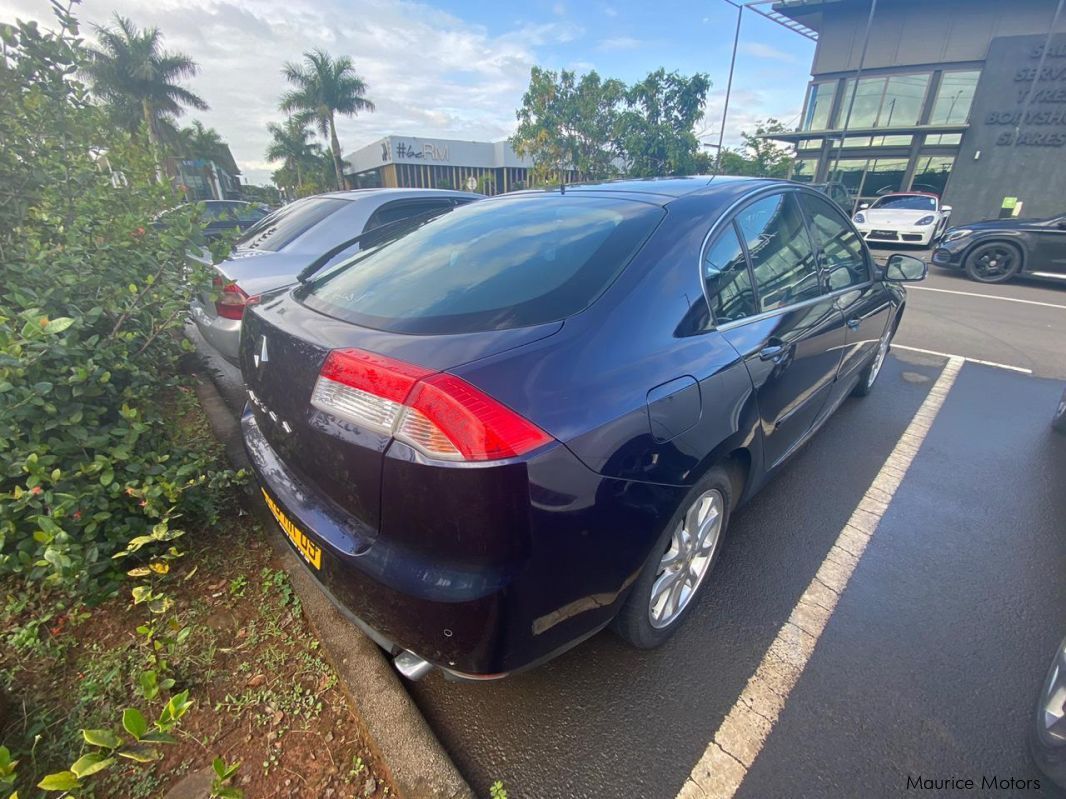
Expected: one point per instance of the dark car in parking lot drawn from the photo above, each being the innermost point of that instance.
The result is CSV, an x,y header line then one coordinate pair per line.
x,y
506,428
997,250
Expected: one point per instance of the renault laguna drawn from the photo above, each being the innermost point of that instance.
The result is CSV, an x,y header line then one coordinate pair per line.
x,y
497,432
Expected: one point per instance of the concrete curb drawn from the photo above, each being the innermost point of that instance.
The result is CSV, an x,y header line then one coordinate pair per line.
x,y
417,763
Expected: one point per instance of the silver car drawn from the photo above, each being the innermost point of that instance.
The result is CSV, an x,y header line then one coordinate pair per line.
x,y
276,249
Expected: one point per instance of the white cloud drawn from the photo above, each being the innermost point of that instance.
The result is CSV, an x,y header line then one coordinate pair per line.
x,y
763,50
610,11
619,43
746,108
428,72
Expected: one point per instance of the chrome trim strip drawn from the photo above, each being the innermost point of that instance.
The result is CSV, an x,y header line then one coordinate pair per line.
x,y
1052,275
795,306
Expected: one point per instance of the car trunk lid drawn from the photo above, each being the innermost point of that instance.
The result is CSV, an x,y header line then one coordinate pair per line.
x,y
284,346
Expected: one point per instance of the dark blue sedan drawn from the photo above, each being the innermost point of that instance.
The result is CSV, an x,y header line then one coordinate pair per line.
x,y
497,432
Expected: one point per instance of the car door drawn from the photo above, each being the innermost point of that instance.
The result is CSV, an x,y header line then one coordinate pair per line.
x,y
1049,251
792,344
847,274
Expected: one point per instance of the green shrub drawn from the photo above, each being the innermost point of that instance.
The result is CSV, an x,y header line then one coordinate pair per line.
x,y
93,299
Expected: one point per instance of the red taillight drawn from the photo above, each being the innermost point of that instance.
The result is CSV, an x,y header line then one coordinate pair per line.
x,y
233,300
440,414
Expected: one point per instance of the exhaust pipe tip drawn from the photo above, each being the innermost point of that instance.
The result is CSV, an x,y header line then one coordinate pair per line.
x,y
411,665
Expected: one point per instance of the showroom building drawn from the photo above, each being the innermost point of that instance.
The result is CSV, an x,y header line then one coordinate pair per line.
x,y
414,162
964,98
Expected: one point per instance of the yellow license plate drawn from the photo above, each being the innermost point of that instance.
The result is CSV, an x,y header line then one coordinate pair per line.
x,y
310,551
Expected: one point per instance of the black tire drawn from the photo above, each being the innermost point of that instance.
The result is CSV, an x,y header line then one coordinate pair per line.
x,y
994,262
633,622
1058,421
868,375
1051,759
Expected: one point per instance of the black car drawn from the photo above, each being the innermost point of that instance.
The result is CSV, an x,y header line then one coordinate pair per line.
x,y
1000,249
500,431
221,216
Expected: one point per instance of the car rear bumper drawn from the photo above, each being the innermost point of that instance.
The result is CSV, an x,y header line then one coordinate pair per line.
x,y
539,560
221,333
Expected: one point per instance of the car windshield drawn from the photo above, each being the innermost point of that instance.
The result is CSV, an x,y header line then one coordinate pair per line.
x,y
906,202
496,265
273,232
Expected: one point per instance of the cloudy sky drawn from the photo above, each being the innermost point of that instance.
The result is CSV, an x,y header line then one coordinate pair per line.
x,y
454,68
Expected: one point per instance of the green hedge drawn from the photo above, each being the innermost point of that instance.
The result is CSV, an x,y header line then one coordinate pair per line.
x,y
93,298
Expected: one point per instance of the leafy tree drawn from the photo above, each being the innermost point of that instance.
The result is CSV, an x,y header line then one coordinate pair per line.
x,y
656,131
569,124
602,128
138,79
759,157
291,143
325,87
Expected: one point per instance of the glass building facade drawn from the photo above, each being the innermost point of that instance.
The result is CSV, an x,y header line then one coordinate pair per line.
x,y
884,130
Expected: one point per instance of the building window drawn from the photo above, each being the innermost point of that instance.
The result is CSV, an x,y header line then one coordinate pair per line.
x,y
804,169
944,139
819,103
895,101
877,141
953,99
931,173
870,177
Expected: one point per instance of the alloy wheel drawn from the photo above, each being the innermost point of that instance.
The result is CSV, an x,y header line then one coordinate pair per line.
x,y
994,262
688,559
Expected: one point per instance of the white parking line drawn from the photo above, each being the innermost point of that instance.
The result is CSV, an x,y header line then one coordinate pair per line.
x,y
1021,369
987,296
740,738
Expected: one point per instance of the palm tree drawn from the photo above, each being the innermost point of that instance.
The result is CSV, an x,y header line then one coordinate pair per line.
x,y
138,79
325,87
290,143
196,141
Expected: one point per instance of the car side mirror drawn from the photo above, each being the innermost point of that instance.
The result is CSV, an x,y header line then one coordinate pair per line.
x,y
946,209
863,206
905,269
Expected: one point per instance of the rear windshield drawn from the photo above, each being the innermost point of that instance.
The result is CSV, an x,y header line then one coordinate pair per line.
x,y
491,265
273,232
907,202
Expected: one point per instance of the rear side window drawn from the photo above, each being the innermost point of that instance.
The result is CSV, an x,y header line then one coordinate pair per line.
x,y
286,224
782,257
842,257
725,273
490,265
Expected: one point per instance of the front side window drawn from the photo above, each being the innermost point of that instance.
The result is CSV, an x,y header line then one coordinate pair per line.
x,y
725,273
842,257
782,257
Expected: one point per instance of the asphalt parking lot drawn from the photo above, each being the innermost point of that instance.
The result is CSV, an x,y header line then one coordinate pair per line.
x,y
930,662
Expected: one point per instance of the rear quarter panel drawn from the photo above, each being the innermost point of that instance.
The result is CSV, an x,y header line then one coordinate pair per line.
x,y
588,385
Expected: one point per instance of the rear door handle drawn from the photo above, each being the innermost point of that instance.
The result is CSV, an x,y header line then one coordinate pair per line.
x,y
854,323
771,352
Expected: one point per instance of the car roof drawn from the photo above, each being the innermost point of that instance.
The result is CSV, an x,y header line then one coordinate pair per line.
x,y
398,193
662,189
